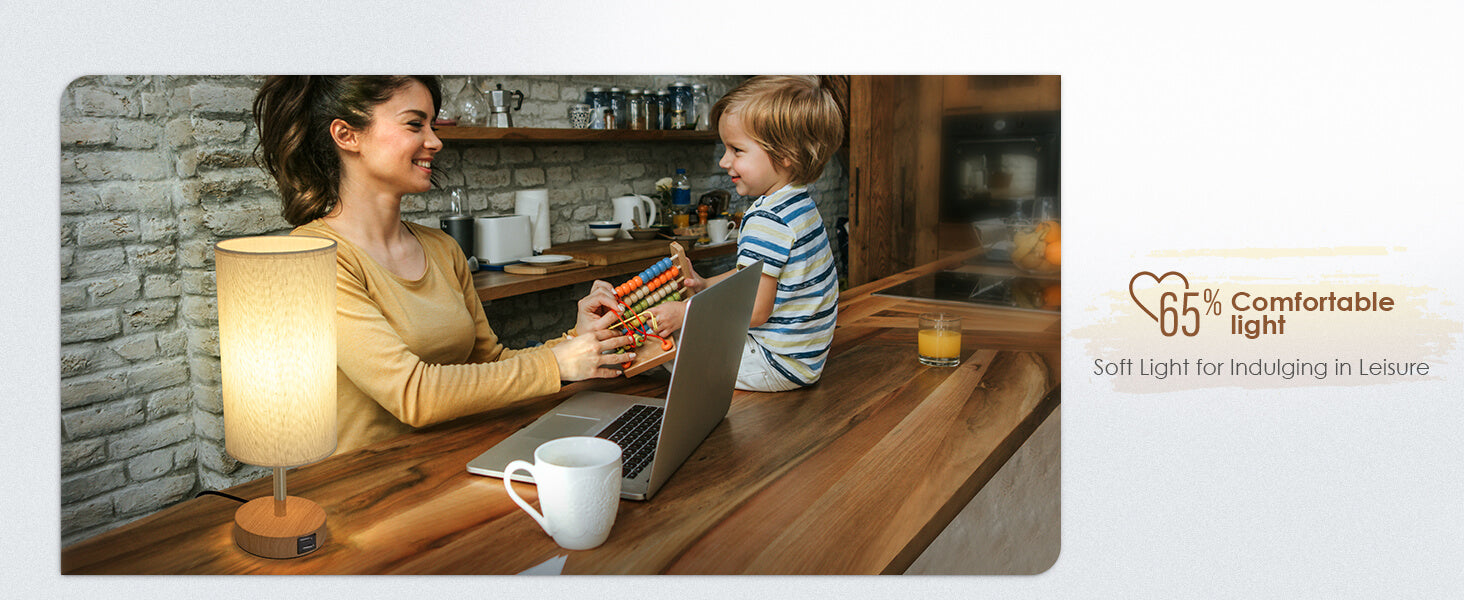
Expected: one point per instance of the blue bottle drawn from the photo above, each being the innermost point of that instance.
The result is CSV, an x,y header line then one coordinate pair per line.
x,y
680,192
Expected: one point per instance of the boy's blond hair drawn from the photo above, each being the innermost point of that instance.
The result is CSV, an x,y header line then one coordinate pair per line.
x,y
794,118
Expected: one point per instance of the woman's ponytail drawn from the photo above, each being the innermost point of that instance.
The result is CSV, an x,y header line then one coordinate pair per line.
x,y
305,167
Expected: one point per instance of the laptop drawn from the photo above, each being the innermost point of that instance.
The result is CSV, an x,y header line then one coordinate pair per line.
x,y
655,435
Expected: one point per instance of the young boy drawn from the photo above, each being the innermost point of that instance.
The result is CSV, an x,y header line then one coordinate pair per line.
x,y
779,132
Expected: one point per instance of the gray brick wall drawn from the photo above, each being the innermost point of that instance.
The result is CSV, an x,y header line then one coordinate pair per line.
x,y
127,433
155,170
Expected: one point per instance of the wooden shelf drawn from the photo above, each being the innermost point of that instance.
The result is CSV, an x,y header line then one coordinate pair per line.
x,y
536,134
494,285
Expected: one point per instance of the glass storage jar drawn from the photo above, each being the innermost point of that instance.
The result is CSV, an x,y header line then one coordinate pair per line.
x,y
617,104
701,106
663,101
683,111
599,101
635,103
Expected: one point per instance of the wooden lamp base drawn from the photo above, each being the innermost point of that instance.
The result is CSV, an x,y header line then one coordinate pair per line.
x,y
299,532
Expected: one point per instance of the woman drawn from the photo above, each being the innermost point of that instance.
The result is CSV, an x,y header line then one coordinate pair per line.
x,y
414,346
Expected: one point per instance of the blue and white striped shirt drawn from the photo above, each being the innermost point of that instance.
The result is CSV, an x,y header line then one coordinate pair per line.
x,y
786,232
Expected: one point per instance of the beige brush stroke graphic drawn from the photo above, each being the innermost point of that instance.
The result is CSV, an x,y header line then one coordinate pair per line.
x,y
1277,252
1414,331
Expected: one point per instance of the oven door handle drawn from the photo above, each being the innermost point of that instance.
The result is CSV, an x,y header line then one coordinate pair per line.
x,y
998,140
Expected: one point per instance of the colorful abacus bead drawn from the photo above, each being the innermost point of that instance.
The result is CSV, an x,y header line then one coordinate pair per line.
x,y
636,294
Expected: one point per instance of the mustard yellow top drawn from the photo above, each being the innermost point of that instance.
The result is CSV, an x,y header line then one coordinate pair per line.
x,y
412,353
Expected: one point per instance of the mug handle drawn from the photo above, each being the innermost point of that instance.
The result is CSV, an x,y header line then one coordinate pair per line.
x,y
508,485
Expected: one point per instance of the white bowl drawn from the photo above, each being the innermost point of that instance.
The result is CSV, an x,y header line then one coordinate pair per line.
x,y
604,230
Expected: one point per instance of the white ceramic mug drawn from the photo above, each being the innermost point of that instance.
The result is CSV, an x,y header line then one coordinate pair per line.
x,y
579,489
719,229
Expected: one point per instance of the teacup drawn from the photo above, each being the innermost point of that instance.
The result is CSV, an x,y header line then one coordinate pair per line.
x,y
579,489
720,229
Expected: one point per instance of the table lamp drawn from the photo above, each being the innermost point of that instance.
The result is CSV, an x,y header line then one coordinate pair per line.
x,y
277,356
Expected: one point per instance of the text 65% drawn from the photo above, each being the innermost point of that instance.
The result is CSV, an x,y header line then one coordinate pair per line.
x,y
1170,315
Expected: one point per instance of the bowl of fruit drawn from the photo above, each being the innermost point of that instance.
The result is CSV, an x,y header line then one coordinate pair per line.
x,y
1037,246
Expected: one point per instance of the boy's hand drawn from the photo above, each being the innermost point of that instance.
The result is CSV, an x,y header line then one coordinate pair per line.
x,y
669,316
595,305
693,282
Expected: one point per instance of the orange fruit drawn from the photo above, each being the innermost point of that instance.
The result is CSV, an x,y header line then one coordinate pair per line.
x,y
1052,295
1054,253
1052,231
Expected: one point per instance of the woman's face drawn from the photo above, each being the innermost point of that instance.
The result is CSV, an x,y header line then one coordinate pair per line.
x,y
398,146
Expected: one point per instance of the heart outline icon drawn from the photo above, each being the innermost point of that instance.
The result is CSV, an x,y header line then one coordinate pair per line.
x,y
1158,280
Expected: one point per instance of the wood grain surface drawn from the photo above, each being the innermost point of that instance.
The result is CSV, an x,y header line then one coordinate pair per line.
x,y
613,252
854,475
493,285
533,269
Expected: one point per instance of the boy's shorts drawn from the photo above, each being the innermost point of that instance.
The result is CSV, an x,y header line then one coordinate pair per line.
x,y
756,375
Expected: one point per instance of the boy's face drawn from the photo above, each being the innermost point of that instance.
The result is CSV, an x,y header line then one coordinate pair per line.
x,y
752,170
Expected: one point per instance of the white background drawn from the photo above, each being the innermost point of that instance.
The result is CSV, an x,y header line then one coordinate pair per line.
x,y
1242,124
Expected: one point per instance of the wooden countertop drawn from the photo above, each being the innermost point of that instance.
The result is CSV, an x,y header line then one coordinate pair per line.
x,y
856,474
493,285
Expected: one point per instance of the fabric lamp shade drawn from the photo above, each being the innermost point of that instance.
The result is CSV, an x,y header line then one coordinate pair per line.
x,y
277,348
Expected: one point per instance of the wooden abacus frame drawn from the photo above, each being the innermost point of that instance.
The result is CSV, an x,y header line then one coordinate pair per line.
x,y
639,291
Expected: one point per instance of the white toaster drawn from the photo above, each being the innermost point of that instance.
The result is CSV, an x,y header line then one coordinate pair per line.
x,y
502,240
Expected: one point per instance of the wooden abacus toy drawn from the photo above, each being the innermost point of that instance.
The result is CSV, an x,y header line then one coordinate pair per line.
x,y
661,282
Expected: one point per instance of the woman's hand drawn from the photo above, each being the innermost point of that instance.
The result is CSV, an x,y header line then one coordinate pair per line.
x,y
594,306
582,356
669,316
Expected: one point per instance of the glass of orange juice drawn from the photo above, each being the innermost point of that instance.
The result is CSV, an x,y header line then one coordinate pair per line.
x,y
940,339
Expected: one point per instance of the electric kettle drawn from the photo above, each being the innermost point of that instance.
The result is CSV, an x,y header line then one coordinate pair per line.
x,y
633,211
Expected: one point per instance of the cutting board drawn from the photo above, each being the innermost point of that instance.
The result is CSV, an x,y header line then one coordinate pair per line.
x,y
533,269
614,252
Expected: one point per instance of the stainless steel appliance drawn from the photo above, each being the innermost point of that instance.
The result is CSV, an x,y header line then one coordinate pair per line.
x,y
1016,292
999,165
498,99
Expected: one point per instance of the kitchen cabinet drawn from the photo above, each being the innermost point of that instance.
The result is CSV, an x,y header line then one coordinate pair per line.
x,y
895,160
894,175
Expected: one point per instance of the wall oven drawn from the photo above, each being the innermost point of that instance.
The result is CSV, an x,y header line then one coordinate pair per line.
x,y
1000,166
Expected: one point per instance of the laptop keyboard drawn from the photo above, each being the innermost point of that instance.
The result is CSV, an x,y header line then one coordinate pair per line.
x,y
636,431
